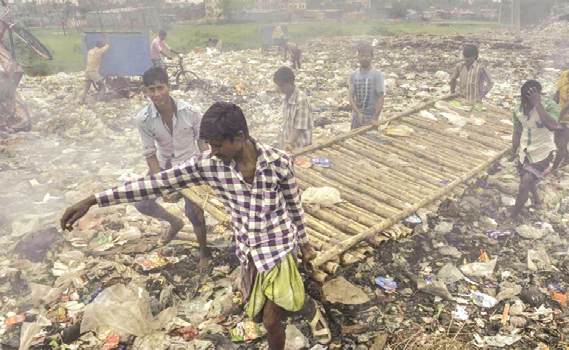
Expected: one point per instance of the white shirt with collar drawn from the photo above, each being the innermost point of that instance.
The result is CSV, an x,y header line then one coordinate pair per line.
x,y
175,146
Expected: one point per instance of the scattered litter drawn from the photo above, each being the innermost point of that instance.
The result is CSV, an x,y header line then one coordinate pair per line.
x,y
501,340
483,300
339,290
321,162
246,332
479,269
388,284
538,260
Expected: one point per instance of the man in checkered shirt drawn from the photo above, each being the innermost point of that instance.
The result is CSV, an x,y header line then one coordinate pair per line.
x,y
258,187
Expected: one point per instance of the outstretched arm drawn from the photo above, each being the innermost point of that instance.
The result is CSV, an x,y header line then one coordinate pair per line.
x,y
148,187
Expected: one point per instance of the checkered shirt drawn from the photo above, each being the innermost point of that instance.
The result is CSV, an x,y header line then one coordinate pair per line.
x,y
267,217
297,114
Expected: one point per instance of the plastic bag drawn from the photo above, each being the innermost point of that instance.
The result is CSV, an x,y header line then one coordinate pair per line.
x,y
31,330
45,293
479,269
125,309
324,196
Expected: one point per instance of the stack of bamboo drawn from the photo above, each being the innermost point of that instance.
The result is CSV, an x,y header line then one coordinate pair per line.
x,y
383,179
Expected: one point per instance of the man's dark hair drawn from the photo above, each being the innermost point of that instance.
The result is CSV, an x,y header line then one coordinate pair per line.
x,y
365,48
223,120
162,32
470,51
283,75
530,84
99,44
154,74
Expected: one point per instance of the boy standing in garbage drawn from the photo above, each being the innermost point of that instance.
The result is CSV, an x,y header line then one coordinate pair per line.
x,y
158,47
535,120
169,131
367,90
92,70
258,187
562,134
474,80
297,126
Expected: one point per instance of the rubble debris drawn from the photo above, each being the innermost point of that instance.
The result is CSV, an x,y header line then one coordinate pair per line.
x,y
339,290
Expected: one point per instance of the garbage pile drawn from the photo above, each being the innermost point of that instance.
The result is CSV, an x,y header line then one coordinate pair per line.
x,y
467,275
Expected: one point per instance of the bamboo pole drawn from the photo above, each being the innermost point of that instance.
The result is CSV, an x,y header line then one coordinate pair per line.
x,y
358,187
363,201
367,178
455,143
404,152
211,209
392,173
340,222
351,242
412,159
496,143
423,166
414,169
364,129
365,220
450,157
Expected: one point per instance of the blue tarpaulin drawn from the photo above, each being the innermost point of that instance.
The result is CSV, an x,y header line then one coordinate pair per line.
x,y
128,55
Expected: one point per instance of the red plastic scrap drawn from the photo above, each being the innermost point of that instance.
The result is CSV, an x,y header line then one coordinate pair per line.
x,y
112,341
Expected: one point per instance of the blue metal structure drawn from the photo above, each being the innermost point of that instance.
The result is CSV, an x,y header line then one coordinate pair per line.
x,y
128,55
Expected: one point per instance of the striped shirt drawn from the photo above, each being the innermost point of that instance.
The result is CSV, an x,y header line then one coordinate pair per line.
x,y
474,82
297,114
536,142
267,216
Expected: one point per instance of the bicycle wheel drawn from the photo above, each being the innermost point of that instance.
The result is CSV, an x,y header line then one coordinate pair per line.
x,y
31,40
184,78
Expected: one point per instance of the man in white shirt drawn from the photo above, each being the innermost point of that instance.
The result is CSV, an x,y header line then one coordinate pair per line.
x,y
169,130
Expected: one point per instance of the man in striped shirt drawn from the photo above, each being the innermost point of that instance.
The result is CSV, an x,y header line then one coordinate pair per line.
x,y
258,187
474,80
297,126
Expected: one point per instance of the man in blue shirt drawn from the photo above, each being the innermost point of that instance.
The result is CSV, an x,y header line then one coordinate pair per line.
x,y
367,90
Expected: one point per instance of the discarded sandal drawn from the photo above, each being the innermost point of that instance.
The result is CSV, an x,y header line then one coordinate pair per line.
x,y
322,335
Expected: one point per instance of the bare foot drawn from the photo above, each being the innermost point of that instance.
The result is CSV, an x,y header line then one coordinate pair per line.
x,y
205,260
169,235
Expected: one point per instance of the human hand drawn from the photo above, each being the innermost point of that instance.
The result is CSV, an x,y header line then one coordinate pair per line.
x,y
288,147
533,96
307,254
547,172
76,212
360,117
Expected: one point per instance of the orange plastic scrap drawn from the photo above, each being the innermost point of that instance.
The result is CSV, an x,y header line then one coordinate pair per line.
x,y
562,298
505,314
483,256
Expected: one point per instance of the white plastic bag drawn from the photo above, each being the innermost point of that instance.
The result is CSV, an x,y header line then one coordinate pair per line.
x,y
126,309
324,196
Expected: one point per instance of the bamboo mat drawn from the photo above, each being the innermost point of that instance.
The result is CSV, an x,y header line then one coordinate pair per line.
x,y
383,177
